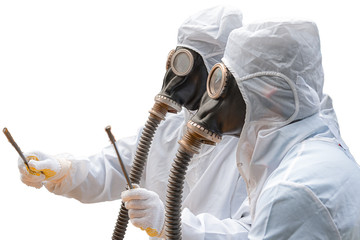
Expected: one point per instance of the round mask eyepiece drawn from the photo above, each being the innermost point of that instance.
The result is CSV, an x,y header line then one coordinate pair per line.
x,y
216,81
182,62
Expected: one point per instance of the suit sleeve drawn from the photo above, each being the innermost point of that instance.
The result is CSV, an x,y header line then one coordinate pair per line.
x,y
99,177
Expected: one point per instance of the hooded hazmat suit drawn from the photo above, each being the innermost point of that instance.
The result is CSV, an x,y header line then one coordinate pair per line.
x,y
214,192
301,179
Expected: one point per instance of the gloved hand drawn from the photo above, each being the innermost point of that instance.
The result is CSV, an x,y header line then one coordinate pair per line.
x,y
146,210
44,168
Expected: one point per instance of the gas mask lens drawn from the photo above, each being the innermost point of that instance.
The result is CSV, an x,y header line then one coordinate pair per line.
x,y
217,80
181,62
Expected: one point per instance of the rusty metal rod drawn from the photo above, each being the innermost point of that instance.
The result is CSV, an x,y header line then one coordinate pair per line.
x,y
17,148
113,141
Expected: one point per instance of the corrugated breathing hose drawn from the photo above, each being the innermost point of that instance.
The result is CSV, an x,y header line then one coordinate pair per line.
x,y
157,114
190,144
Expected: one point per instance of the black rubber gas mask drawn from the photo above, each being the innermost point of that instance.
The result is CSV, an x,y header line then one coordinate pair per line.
x,y
184,84
185,80
221,112
222,108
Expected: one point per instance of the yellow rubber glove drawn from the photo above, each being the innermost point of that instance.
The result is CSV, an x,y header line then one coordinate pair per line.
x,y
146,210
43,168
47,172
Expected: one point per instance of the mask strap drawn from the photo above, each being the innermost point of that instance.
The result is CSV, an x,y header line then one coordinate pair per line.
x,y
282,76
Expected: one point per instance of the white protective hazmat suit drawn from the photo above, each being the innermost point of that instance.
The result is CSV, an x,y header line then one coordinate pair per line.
x,y
301,179
214,191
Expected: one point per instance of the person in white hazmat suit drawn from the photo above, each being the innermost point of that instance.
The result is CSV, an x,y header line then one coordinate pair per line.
x,y
301,179
219,210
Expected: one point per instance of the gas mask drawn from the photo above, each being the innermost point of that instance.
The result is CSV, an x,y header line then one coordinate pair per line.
x,y
222,108
184,84
221,112
185,80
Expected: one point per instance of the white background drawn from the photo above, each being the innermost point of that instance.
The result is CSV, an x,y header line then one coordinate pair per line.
x,y
69,68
